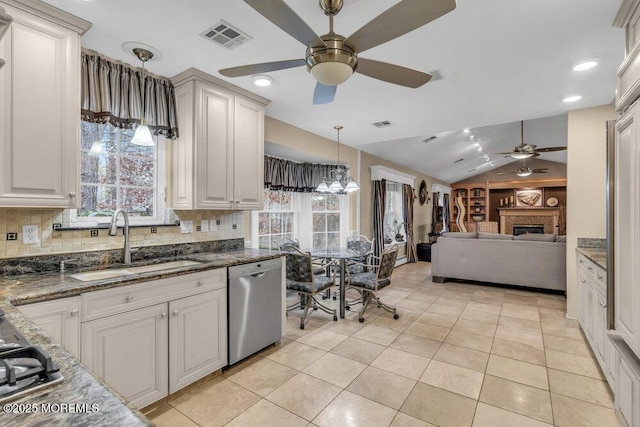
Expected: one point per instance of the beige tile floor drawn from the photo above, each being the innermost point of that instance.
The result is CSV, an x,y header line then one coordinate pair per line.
x,y
460,355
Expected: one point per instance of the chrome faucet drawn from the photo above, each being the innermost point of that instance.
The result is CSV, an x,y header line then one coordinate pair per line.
x,y
113,230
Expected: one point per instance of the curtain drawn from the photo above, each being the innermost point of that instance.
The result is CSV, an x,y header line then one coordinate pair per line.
x,y
407,205
379,199
281,174
445,213
112,92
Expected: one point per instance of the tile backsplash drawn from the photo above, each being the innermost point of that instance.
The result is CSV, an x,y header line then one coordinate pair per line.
x,y
204,226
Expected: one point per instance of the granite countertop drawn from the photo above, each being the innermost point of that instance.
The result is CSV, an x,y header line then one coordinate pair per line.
x,y
597,255
80,386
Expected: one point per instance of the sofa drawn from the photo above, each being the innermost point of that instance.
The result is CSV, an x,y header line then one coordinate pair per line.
x,y
530,260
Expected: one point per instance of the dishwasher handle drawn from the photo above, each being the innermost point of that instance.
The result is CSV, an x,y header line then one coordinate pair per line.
x,y
259,275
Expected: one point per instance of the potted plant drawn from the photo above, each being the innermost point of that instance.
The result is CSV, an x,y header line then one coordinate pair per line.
x,y
397,228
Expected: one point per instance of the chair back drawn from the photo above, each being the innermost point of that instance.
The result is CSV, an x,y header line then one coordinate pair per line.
x,y
360,244
299,267
387,262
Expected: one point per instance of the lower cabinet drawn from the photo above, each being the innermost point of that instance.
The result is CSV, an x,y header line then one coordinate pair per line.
x,y
59,319
147,351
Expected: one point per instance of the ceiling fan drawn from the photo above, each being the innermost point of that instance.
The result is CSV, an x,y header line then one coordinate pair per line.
x,y
524,151
525,171
332,59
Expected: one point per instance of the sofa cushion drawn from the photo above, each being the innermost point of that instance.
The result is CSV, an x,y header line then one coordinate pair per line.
x,y
493,236
451,235
535,237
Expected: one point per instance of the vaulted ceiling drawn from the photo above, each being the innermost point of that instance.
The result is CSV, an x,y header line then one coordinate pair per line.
x,y
501,61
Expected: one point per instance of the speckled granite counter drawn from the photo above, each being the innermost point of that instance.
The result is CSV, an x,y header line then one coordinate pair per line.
x,y
80,386
595,250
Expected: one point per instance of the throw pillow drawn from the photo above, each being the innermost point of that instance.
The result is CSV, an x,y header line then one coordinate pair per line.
x,y
460,235
536,237
492,236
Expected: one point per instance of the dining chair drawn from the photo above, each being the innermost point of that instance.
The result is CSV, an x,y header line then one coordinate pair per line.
x,y
301,279
374,279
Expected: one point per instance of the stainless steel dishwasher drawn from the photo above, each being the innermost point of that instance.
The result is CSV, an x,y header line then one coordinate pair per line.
x,y
255,307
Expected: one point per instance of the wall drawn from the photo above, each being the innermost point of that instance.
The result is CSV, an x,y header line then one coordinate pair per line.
x,y
51,241
586,187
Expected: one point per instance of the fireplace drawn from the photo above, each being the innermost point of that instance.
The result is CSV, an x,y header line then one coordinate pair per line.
x,y
547,218
528,228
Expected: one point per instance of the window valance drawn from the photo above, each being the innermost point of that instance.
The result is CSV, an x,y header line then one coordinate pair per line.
x,y
292,176
112,92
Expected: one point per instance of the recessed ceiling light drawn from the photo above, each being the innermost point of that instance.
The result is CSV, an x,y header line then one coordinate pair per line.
x,y
585,65
466,130
262,80
572,98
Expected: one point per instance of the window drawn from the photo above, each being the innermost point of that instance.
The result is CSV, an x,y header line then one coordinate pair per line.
x,y
325,209
316,220
119,176
277,220
393,217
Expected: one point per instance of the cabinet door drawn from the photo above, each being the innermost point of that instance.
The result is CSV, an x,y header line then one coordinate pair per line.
x,y
214,148
249,155
182,159
626,230
198,336
600,328
39,113
129,352
59,319
626,392
590,310
582,286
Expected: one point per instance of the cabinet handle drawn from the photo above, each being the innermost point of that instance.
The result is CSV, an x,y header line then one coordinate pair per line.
x,y
200,282
163,315
73,312
174,313
72,194
130,298
589,268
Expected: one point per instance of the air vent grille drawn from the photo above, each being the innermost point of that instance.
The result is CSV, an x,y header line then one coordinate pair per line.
x,y
382,124
226,35
458,161
472,170
428,140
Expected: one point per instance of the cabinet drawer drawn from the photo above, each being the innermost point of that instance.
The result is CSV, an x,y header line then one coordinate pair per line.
x,y
587,266
112,301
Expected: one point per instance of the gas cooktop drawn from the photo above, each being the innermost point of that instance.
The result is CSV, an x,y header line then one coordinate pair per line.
x,y
23,368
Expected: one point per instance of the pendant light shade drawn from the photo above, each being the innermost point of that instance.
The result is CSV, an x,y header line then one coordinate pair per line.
x,y
351,186
97,148
142,135
323,187
335,187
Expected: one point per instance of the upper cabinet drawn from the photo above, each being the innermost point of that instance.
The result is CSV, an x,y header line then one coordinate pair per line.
x,y
628,89
40,106
218,158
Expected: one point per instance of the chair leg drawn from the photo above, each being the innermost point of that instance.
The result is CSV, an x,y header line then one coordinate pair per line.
x,y
386,307
318,305
366,300
307,306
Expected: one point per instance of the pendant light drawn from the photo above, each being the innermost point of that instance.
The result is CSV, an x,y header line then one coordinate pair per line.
x,y
97,148
142,136
337,174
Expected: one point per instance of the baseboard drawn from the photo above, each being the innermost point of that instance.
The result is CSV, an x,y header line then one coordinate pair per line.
x,y
437,279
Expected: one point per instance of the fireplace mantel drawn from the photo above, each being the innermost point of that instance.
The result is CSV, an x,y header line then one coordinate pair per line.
x,y
549,217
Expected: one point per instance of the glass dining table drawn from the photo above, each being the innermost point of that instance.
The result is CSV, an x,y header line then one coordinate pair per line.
x,y
342,256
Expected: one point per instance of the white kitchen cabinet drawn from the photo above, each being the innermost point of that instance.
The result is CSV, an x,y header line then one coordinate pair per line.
x,y
197,336
178,324
218,159
60,319
129,352
40,106
627,229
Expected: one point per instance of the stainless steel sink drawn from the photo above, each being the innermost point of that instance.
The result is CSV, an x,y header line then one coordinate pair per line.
x,y
120,272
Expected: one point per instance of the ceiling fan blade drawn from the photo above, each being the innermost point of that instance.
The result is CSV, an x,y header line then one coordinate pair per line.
x,y
508,153
396,21
506,173
323,94
544,170
392,73
265,67
550,149
287,20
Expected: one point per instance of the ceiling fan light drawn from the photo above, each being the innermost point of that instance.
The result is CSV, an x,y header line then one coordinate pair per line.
x,y
262,80
331,73
520,155
524,172
143,135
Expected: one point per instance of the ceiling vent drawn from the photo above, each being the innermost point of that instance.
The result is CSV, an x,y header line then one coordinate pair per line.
x,y
383,124
428,140
471,170
458,161
226,35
